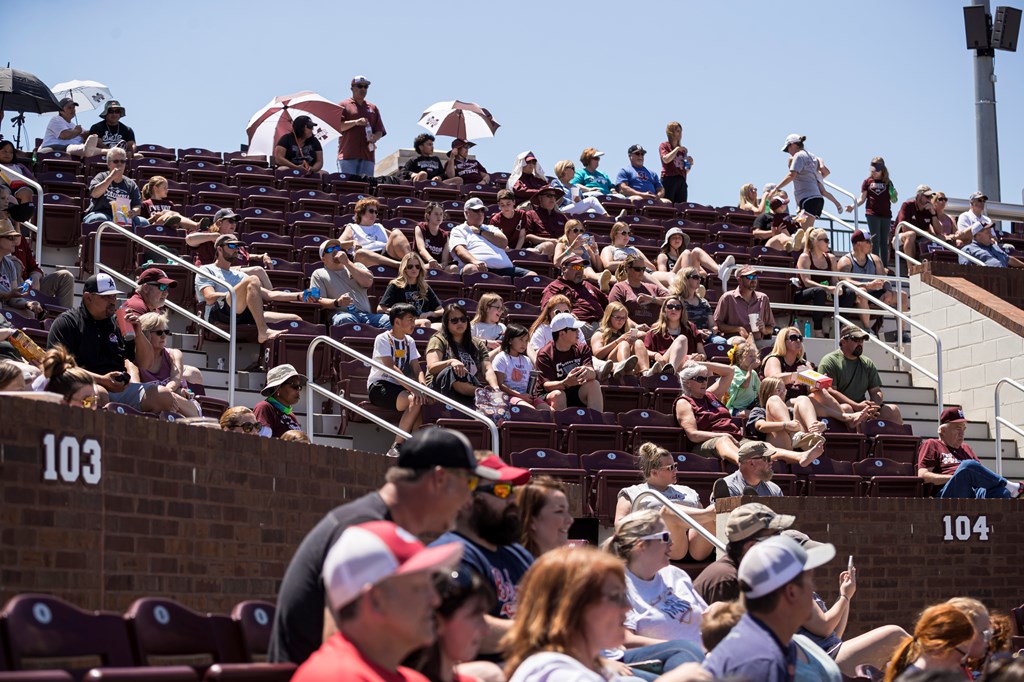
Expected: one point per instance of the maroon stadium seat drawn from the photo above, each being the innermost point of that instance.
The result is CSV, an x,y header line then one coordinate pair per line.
x,y
829,478
698,472
340,183
266,197
144,169
255,620
218,193
316,200
199,154
584,430
48,162
293,180
307,222
888,478
527,428
157,152
480,283
250,175
290,348
202,171
62,225
610,471
892,441
662,389
558,465
256,219
651,426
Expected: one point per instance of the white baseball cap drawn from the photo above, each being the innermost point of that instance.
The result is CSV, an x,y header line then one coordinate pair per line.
x,y
564,321
793,138
367,554
772,563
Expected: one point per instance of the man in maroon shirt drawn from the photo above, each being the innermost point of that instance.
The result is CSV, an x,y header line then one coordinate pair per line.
x,y
588,301
949,462
361,127
920,213
522,228
567,367
461,166
545,206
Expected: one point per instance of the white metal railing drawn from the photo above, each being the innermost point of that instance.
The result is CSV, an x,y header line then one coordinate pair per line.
x,y
229,335
411,385
934,376
853,199
687,519
38,227
1000,422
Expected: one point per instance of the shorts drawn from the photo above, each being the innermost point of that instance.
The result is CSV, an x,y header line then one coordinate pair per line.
x,y
132,396
536,402
221,314
813,205
708,449
385,394
513,272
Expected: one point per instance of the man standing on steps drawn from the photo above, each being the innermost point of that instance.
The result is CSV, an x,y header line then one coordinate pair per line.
x,y
949,462
854,376
361,127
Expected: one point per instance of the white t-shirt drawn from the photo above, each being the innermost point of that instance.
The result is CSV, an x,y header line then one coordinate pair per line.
x,y
478,247
542,337
370,237
551,667
488,331
231,276
680,494
403,352
968,220
56,126
516,370
666,607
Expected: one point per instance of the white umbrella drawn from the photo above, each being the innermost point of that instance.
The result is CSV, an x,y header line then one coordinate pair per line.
x,y
268,124
87,94
465,120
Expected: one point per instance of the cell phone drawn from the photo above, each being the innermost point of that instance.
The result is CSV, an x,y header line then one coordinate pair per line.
x,y
849,564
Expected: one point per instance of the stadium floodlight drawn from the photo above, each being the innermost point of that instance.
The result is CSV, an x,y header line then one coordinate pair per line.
x,y
1005,28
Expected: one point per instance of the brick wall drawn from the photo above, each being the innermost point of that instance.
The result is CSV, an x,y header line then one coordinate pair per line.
x,y
904,564
207,517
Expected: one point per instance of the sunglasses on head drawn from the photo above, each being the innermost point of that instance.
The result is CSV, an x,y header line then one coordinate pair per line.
x,y
500,490
663,536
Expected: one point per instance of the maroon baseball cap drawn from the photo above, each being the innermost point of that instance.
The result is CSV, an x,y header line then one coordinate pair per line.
x,y
573,260
777,202
858,236
952,415
530,157
459,142
155,276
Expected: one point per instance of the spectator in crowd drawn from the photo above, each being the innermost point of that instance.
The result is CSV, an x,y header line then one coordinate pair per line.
x,y
660,475
368,240
707,422
776,423
577,242
745,359
240,419
815,289
425,166
776,229
778,592
941,637
675,255
745,307
115,196
345,287
422,493
567,369
225,221
642,299
672,338
249,293
978,650
158,209
23,194
486,325
281,394
985,248
688,286
481,248
166,368
379,584
295,436
12,377
748,199
805,172
861,261
947,226
457,363
592,180
60,283
950,464
675,164
615,254
61,136
973,216
573,200
878,192
12,273
487,526
90,334
921,213
540,330
636,182
111,132
76,386
745,526
300,149
617,345
545,206
432,241
755,471
361,127
411,287
396,348
459,165
521,227
854,376
544,516
526,177
513,368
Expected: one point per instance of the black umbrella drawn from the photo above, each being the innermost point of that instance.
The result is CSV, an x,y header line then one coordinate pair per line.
x,y
23,92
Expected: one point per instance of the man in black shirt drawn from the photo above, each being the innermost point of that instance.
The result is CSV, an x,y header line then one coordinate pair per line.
x,y
435,474
91,335
111,132
426,166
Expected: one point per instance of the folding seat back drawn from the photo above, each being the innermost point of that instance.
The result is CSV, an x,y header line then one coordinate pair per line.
x,y
662,391
406,207
888,478
562,467
340,183
892,441
527,428
255,619
62,225
257,219
468,304
199,154
643,426
266,197
698,472
584,430
829,478
316,200
653,208
202,171
610,471
157,152
250,175
521,312
144,169
290,348
479,283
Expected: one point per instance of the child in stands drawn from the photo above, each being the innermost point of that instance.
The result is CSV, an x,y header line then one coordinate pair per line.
x,y
396,349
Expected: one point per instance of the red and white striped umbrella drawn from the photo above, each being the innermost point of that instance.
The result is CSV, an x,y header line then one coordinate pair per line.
x,y
268,124
464,120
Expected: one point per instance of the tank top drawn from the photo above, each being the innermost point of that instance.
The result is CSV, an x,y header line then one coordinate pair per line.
x,y
671,261
799,389
712,415
162,374
828,269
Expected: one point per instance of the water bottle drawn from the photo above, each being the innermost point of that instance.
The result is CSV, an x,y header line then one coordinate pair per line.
x,y
311,294
220,364
25,286
807,329
127,330
370,146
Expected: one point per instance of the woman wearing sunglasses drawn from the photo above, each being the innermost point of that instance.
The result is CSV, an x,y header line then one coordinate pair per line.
x,y
371,243
816,288
457,363
689,287
642,299
614,256
411,287
68,380
240,420
672,338
540,330
167,367
576,242
282,393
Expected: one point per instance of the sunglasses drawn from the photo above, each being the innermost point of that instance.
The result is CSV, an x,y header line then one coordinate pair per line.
x,y
458,320
796,338
161,287
295,385
673,306
575,267
362,87
89,402
698,277
161,332
472,480
248,427
332,249
750,278
412,267
667,467
575,230
500,490
370,210
12,237
700,379
626,232
664,536
856,339
230,245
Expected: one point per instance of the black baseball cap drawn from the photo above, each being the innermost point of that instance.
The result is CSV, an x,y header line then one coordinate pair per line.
x,y
436,447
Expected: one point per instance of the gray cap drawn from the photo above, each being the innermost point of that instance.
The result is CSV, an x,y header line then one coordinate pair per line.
x,y
750,519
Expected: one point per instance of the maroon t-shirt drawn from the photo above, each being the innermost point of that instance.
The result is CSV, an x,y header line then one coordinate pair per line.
x,y
470,170
353,143
676,167
659,343
712,415
527,185
520,220
626,295
939,458
555,365
588,301
435,243
151,206
876,200
918,217
279,422
137,305
552,222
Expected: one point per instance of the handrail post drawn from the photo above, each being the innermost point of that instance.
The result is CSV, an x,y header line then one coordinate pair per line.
x,y
39,208
856,208
686,518
997,405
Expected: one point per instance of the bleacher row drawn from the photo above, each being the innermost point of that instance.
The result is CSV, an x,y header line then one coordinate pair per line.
x,y
46,639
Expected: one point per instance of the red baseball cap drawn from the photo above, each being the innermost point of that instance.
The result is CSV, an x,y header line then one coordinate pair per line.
x,y
506,473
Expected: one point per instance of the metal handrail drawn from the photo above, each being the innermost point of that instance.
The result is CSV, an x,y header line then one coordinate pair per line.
x,y
836,219
936,376
39,208
856,208
411,384
230,335
687,519
1002,422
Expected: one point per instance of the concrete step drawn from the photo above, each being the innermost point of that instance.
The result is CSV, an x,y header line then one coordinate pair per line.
x,y
926,427
908,394
1013,468
986,448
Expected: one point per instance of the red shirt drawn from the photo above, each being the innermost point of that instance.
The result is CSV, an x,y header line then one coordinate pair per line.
x,y
520,220
876,201
23,252
353,143
918,217
435,243
527,185
659,343
588,301
676,167
552,223
151,206
470,170
939,458
555,365
339,659
279,422
712,415
626,295
137,305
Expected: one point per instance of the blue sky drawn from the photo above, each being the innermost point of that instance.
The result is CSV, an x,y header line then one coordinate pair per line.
x,y
860,79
